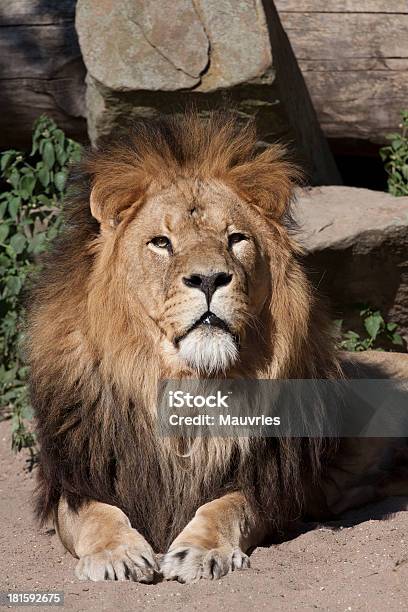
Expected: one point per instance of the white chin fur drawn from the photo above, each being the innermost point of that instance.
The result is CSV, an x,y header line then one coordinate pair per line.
x,y
208,350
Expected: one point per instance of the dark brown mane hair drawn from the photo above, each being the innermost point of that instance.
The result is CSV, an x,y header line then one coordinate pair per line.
x,y
97,437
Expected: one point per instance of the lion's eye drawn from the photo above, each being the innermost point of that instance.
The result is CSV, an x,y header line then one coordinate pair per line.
x,y
235,238
161,242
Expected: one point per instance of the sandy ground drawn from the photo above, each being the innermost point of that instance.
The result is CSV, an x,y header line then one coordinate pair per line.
x,y
359,563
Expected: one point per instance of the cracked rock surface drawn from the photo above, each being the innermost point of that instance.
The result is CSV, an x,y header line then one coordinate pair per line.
x,y
134,45
167,45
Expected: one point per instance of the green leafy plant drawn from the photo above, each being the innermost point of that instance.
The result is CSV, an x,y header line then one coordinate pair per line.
x,y
32,191
395,156
377,333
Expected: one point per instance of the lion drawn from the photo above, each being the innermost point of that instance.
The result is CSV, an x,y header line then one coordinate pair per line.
x,y
178,260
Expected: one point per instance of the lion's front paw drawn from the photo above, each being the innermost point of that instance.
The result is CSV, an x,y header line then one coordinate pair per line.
x,y
190,563
125,561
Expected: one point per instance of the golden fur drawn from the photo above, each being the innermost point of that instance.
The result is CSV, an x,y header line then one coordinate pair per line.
x,y
97,355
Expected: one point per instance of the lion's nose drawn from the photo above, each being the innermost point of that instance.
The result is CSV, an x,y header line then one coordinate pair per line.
x,y
208,284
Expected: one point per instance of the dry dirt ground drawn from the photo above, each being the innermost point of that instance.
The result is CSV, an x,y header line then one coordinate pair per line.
x,y
358,563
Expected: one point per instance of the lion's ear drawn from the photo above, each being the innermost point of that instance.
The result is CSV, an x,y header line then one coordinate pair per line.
x,y
96,210
268,180
105,214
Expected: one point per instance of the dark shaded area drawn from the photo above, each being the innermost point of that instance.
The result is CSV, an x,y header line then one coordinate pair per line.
x,y
311,144
359,163
243,98
351,279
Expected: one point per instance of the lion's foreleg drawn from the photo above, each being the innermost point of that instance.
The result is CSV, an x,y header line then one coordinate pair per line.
x,y
215,541
107,546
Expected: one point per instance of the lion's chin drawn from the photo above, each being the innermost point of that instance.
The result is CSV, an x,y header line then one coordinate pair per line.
x,y
208,350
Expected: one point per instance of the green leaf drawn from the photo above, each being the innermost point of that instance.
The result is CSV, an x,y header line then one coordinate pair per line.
x,y
59,137
44,176
14,284
60,180
373,324
393,136
3,207
38,243
18,242
27,412
76,151
4,231
43,199
14,205
352,335
27,183
364,311
396,339
14,178
366,344
48,154
349,345
61,155
6,159
391,326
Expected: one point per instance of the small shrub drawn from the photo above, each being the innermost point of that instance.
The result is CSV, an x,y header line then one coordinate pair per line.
x,y
395,156
33,187
377,333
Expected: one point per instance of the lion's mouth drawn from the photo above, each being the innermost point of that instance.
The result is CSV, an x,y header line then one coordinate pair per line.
x,y
210,319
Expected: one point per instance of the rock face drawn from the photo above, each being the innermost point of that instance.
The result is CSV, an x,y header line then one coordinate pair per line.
x,y
354,58
41,69
357,249
150,56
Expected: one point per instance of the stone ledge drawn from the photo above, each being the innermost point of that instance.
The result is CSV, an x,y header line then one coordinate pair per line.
x,y
356,244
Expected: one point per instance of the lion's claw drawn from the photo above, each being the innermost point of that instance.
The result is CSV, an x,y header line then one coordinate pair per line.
x,y
125,562
190,563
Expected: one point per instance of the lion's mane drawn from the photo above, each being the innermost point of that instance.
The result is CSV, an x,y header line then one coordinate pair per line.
x,y
95,370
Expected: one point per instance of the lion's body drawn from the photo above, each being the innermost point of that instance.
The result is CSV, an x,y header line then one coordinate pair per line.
x,y
101,337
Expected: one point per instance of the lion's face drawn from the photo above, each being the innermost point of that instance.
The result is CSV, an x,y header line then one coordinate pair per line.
x,y
194,263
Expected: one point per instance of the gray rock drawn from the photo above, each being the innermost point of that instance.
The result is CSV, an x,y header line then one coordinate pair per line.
x,y
150,56
356,243
134,45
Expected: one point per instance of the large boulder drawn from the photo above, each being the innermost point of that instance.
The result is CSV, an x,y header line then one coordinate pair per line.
x,y
150,56
356,242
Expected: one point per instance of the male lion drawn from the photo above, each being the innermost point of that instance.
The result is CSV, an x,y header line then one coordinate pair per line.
x,y
177,260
